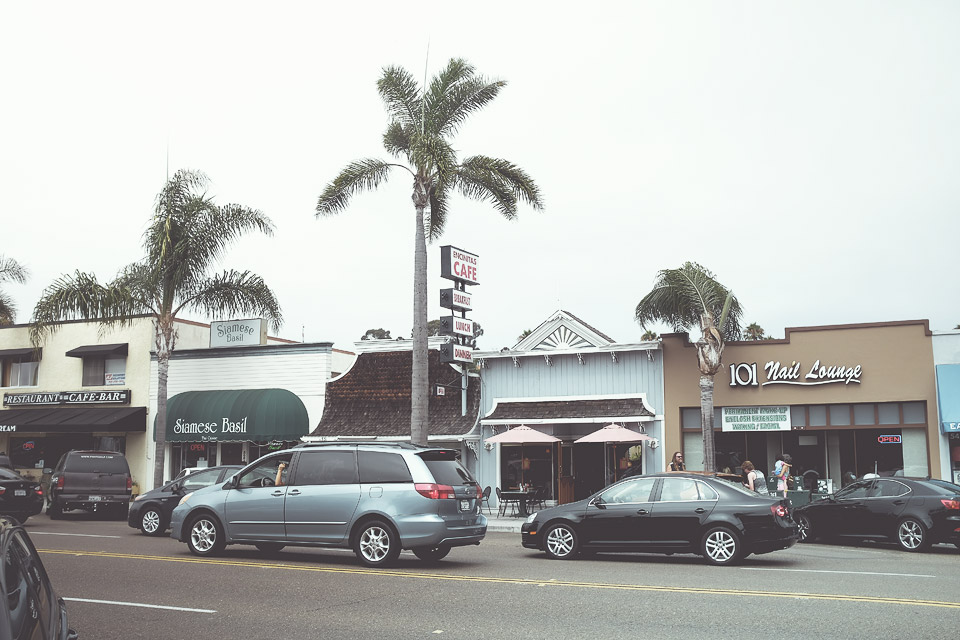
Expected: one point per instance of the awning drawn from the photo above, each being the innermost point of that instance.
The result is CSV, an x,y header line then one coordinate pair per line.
x,y
948,397
599,410
99,350
521,435
74,419
15,353
614,433
236,415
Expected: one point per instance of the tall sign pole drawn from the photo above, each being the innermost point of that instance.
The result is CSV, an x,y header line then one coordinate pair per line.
x,y
460,267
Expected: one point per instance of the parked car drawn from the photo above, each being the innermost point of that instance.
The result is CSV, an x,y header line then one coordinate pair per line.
x,y
150,511
20,497
376,498
97,481
913,512
33,608
188,470
672,512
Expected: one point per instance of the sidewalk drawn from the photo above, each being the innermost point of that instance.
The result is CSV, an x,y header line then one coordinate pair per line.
x,y
502,525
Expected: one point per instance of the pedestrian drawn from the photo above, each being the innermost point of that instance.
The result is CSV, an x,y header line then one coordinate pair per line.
x,y
755,480
677,463
782,470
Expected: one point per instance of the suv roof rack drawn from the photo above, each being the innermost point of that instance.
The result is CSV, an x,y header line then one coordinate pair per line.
x,y
375,443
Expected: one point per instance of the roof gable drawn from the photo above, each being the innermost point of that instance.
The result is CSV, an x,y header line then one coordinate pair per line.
x,y
563,330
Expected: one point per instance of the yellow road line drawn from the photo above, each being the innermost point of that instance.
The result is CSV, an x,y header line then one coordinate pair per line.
x,y
836,597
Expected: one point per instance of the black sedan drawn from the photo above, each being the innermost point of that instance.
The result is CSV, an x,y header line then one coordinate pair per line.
x,y
33,609
150,512
913,512
666,513
20,498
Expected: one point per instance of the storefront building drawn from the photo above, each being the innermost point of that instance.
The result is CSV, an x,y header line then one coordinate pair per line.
x,y
844,400
946,355
567,380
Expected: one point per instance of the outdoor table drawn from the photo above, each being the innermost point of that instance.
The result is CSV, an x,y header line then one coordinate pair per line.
x,y
522,496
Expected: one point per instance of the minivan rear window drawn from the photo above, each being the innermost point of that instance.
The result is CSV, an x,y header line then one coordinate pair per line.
x,y
377,467
445,468
96,463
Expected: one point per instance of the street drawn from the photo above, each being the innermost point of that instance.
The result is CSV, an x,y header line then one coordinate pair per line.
x,y
119,584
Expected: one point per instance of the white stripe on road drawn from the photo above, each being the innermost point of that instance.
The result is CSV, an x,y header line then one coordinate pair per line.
x,y
79,535
854,573
140,604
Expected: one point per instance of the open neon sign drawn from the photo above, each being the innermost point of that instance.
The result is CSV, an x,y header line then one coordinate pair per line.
x,y
889,439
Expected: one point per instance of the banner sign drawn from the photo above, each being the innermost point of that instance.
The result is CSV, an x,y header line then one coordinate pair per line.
x,y
53,398
755,419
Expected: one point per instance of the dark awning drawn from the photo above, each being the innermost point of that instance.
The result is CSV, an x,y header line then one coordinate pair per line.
x,y
99,350
236,415
584,410
74,419
13,353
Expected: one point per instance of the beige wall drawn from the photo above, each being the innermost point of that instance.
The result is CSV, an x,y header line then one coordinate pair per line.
x,y
896,360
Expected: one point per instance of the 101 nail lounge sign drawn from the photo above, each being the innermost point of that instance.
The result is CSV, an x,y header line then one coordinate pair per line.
x,y
744,374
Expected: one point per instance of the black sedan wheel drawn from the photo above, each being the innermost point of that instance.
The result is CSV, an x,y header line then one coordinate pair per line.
x,y
151,522
721,546
804,529
206,536
561,542
912,535
431,554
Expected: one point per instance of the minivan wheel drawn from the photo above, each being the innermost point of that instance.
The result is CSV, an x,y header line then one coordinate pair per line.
x,y
560,543
721,546
269,547
912,535
376,545
151,523
432,554
206,536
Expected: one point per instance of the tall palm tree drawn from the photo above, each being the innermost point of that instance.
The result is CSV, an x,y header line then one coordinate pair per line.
x,y
423,122
10,271
691,297
187,235
754,332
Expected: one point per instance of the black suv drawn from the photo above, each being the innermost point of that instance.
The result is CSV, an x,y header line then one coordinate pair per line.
x,y
90,480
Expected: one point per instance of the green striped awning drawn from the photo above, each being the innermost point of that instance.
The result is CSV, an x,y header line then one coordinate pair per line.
x,y
236,415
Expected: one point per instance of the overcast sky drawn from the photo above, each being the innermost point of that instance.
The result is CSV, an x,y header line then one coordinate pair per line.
x,y
806,152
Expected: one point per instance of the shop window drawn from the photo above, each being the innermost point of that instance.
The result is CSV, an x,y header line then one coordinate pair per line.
x,y
19,371
818,415
690,418
913,413
798,416
839,415
864,414
888,413
99,371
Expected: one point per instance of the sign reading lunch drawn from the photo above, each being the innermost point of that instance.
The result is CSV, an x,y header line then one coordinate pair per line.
x,y
755,419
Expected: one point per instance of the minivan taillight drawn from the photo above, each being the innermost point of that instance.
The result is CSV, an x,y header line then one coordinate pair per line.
x,y
479,493
129,483
435,491
951,504
779,510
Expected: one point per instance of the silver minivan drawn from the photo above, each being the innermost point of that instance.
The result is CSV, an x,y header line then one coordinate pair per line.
x,y
376,498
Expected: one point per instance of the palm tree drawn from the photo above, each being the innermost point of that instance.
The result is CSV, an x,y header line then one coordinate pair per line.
x,y
691,297
649,335
423,122
755,332
187,235
10,271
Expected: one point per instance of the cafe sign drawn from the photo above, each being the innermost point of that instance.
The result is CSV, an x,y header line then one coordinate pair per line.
x,y
54,398
755,419
745,374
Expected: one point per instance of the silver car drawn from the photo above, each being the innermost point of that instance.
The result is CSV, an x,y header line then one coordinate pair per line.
x,y
376,498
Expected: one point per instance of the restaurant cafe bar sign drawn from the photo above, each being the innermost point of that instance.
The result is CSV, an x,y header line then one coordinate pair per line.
x,y
755,419
238,333
53,398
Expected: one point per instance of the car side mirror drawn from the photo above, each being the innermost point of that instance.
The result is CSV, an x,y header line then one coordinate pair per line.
x,y
231,483
598,502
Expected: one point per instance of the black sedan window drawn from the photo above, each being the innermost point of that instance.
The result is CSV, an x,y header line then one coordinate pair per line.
x,y
631,491
679,490
858,490
892,488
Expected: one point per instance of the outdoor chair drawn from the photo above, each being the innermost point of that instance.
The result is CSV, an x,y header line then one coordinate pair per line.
x,y
505,502
537,499
485,499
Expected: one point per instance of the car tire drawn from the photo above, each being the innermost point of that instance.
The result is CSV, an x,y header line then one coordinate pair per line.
x,y
55,511
912,535
19,517
205,536
152,522
269,547
721,546
376,545
804,529
431,554
561,542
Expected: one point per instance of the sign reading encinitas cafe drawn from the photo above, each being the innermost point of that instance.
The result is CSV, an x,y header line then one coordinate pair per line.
x,y
53,398
755,419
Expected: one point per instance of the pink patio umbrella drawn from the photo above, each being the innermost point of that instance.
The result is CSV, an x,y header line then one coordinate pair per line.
x,y
521,435
614,433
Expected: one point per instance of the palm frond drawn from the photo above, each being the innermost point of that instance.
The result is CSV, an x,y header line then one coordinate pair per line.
x,y
432,156
681,296
438,211
234,292
8,311
397,139
360,175
12,271
455,94
400,94
499,182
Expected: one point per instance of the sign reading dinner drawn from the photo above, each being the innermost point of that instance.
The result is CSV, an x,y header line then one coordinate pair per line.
x,y
755,419
457,264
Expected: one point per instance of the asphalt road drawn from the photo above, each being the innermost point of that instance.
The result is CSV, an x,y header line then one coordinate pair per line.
x,y
120,585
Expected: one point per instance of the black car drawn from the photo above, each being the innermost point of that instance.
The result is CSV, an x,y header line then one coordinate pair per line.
x,y
20,498
150,512
33,608
666,513
913,512
97,481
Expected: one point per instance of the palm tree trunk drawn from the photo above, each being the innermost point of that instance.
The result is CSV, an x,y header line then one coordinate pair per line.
x,y
419,384
163,366
706,422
